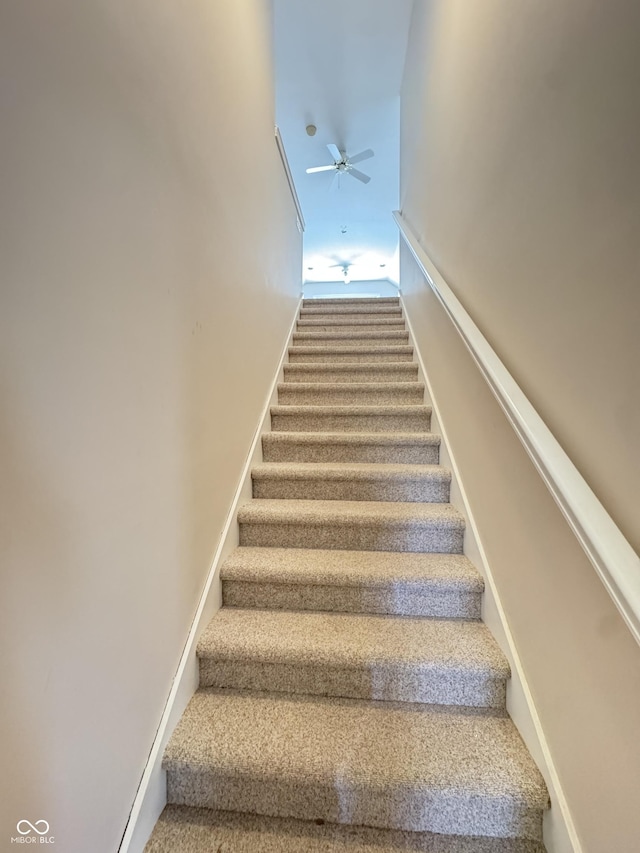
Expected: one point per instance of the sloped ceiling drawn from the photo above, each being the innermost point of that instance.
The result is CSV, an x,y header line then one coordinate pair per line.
x,y
339,66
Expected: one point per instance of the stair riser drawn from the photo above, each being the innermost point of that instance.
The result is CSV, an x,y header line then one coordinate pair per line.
x,y
425,539
419,811
392,373
396,599
385,683
411,491
411,394
319,422
352,339
426,454
326,356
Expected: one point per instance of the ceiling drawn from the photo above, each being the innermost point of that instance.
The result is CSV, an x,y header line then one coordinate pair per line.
x,y
338,66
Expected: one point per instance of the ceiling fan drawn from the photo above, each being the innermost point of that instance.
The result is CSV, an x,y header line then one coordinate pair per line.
x,y
345,266
344,164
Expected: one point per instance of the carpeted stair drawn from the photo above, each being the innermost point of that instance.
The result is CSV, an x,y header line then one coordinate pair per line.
x,y
351,700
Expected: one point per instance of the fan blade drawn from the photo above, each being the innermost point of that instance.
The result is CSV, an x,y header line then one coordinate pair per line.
x,y
363,155
360,176
334,185
335,152
321,169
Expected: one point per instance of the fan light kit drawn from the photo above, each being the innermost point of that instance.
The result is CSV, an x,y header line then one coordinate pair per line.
x,y
343,164
345,266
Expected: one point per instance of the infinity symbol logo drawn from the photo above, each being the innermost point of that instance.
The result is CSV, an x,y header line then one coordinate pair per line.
x,y
33,827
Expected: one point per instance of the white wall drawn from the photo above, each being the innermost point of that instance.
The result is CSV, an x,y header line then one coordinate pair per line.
x,y
521,174
335,289
147,283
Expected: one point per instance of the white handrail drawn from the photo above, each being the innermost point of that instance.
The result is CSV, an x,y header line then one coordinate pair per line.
x,y
615,561
287,171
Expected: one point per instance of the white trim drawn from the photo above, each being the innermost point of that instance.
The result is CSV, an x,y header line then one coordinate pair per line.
x,y
613,558
559,831
151,796
290,181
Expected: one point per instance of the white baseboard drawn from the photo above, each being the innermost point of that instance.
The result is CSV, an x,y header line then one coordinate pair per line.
x,y
558,829
151,796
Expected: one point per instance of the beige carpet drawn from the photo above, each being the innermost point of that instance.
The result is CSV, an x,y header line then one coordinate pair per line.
x,y
350,698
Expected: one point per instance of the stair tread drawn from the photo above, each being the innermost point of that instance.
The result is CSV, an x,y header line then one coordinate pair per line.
x,y
355,744
382,347
349,318
358,367
347,409
350,308
351,373
387,513
340,350
364,366
379,448
444,586
353,471
335,334
344,416
329,312
354,300
392,439
193,830
352,386
355,481
335,393
351,568
359,320
347,640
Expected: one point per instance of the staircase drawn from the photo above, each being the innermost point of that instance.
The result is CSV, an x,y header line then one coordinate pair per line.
x,y
350,698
